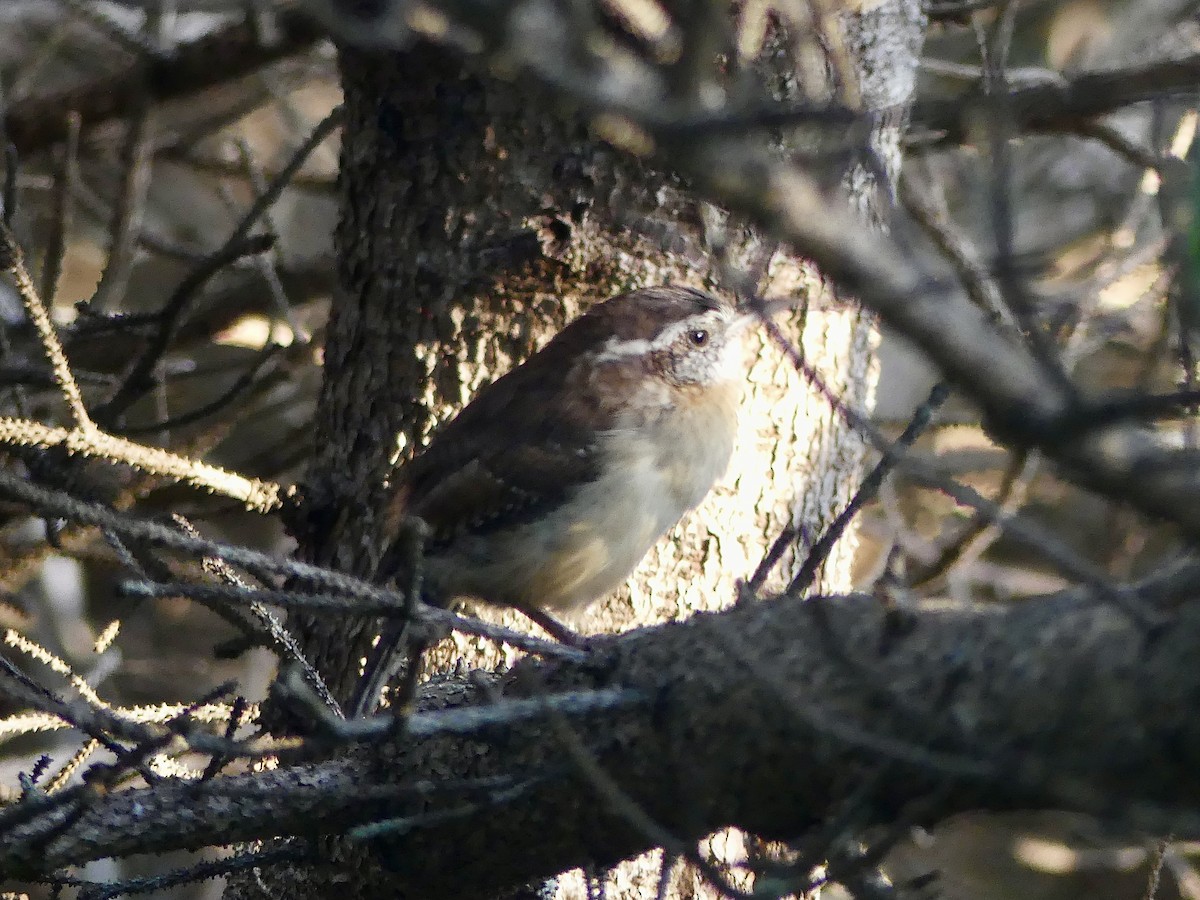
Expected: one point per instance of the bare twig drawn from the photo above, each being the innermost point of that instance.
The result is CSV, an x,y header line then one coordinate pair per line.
x,y
282,640
366,601
867,491
141,374
238,244
976,281
64,187
85,438
193,874
11,260
128,210
974,537
244,382
263,496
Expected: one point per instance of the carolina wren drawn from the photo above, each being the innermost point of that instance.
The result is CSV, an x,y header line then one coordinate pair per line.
x,y
549,487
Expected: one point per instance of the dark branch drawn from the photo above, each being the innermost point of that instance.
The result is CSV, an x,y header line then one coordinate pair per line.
x,y
1061,106
1053,703
41,120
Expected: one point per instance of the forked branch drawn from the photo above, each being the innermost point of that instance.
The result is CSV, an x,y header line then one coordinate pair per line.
x,y
85,438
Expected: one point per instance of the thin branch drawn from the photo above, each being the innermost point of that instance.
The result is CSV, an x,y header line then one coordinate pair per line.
x,y
141,373
218,404
193,874
129,209
868,489
12,261
975,536
280,638
65,182
238,244
950,242
368,602
63,505
262,496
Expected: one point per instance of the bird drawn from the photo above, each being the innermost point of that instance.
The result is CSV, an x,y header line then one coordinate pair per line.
x,y
549,487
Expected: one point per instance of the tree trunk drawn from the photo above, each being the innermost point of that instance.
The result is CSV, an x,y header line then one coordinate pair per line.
x,y
478,218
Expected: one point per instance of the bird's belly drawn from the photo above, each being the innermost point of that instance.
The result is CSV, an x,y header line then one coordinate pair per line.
x,y
601,537
590,544
573,556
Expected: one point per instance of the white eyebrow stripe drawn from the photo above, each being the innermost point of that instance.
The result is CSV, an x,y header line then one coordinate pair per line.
x,y
615,348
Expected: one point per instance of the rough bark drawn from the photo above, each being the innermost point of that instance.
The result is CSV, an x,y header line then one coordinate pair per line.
x,y
873,717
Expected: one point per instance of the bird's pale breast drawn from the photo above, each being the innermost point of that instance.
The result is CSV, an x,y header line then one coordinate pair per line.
x,y
652,474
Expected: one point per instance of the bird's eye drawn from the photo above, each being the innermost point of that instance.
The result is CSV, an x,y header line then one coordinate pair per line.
x,y
698,337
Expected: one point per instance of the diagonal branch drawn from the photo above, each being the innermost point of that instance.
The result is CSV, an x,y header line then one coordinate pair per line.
x,y
39,121
1054,703
85,438
1061,105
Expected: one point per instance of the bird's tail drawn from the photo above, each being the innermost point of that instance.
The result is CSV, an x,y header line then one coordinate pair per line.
x,y
386,659
399,640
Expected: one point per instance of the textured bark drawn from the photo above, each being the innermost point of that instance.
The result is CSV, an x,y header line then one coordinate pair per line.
x,y
1059,702
477,218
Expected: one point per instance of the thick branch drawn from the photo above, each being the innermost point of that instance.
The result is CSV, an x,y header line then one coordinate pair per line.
x,y
41,120
771,716
1059,105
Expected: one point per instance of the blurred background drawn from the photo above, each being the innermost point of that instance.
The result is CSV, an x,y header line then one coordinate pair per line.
x,y
117,223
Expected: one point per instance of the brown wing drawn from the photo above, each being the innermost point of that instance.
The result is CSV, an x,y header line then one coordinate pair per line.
x,y
527,440
496,485
517,450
